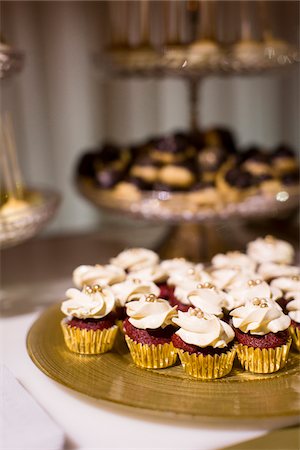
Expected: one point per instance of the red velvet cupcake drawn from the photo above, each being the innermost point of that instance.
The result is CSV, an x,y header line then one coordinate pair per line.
x,y
148,332
293,309
262,333
90,326
204,344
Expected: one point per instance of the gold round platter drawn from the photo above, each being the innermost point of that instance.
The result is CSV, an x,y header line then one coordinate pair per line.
x,y
114,378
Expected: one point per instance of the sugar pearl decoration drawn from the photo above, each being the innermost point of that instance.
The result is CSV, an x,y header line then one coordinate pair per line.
x,y
96,288
206,285
254,282
261,302
197,312
136,281
88,290
151,298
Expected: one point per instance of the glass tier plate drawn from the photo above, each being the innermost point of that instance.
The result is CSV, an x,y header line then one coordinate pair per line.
x,y
176,207
178,61
21,225
11,62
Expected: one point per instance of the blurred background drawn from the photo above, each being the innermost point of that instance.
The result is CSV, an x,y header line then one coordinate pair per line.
x,y
61,104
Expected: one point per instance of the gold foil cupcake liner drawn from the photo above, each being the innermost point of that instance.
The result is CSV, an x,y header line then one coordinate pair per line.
x,y
207,367
152,356
263,360
89,342
119,324
295,334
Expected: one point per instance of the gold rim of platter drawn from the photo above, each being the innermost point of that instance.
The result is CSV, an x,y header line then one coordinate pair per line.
x,y
113,377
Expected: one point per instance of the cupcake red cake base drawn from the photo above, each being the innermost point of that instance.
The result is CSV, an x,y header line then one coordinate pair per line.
x,y
270,340
92,324
180,306
149,337
166,291
295,324
190,348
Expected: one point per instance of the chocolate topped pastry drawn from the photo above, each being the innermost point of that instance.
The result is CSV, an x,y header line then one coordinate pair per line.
x,y
256,162
110,165
290,178
204,193
172,149
85,165
239,178
284,160
179,176
210,159
145,168
220,137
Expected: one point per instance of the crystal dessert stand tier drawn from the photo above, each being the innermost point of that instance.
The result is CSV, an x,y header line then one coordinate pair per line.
x,y
19,226
126,62
11,62
193,229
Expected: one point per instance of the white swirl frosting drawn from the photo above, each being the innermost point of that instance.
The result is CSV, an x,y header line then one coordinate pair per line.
x,y
287,284
260,316
95,303
150,312
175,265
233,260
209,300
255,289
156,274
202,329
135,259
133,289
98,274
270,249
293,308
194,274
270,270
231,278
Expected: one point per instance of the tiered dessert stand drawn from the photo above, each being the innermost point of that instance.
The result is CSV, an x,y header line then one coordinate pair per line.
x,y
191,230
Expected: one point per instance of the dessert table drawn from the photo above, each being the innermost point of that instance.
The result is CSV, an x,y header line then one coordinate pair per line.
x,y
36,275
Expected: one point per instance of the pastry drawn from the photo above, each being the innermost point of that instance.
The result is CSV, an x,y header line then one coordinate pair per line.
x,y
107,274
134,259
89,327
203,52
284,160
110,164
232,260
204,344
261,330
293,310
204,193
269,270
270,249
179,176
172,149
207,298
129,290
248,52
148,332
235,183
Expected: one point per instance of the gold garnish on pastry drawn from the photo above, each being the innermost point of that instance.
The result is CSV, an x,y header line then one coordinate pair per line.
x,y
151,298
136,281
254,282
197,312
262,302
96,288
88,289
